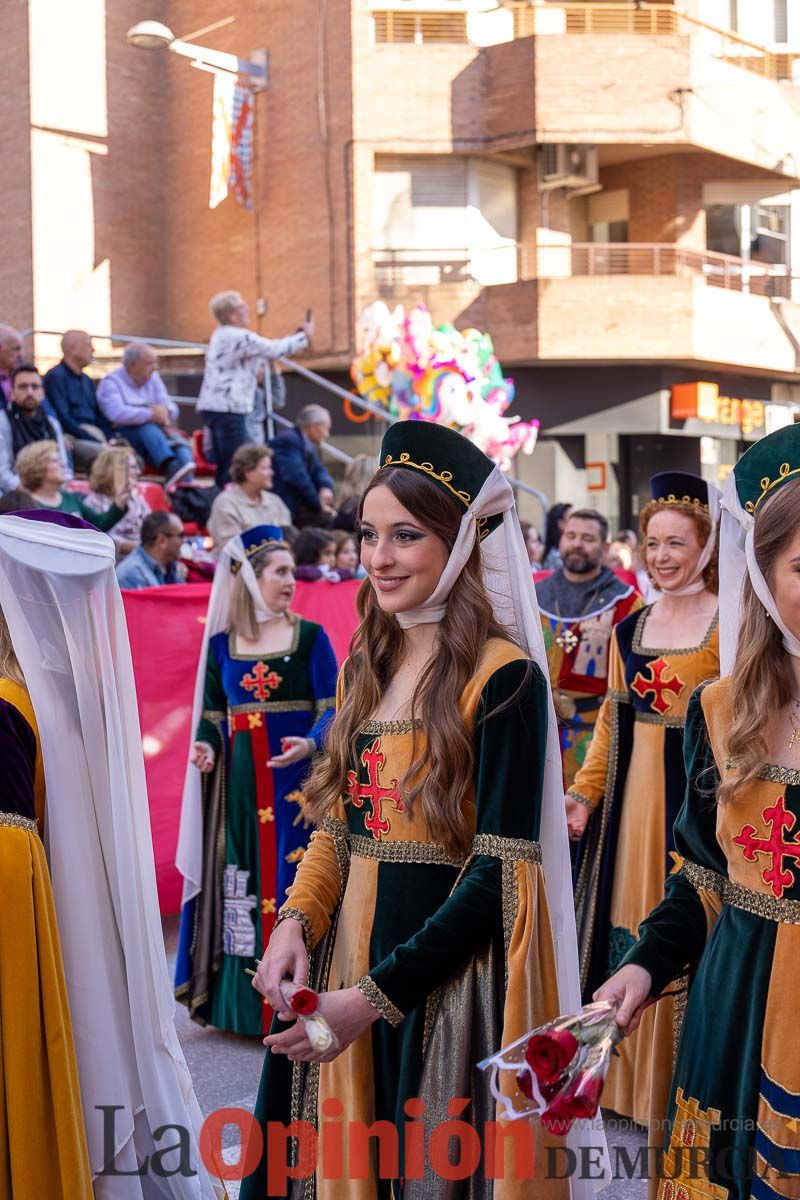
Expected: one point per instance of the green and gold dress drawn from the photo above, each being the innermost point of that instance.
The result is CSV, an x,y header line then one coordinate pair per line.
x,y
455,951
634,781
731,917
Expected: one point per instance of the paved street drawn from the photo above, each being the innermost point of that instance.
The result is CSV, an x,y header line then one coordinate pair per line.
x,y
226,1069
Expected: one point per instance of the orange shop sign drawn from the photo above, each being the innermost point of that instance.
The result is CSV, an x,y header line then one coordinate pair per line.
x,y
703,401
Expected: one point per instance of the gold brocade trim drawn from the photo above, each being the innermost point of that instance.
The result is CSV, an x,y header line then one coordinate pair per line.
x,y
618,695
373,728
510,908
581,799
671,721
212,714
321,706
340,833
269,706
693,501
444,477
788,776
702,877
295,621
762,904
681,990
406,852
296,914
17,821
785,471
508,849
431,1009
652,651
380,1001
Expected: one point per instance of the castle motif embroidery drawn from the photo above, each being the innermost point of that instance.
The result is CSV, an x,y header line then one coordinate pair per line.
x,y
238,930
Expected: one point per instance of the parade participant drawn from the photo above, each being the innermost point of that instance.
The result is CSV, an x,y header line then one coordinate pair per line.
x,y
580,603
60,598
731,914
264,698
634,775
440,865
38,1074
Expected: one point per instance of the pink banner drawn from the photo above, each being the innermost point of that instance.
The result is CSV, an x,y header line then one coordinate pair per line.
x,y
165,626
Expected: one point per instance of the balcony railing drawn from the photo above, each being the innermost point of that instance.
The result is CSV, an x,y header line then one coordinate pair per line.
x,y
406,270
612,19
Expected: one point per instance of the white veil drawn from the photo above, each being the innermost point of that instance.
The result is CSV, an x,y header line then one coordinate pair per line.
x,y
509,585
60,597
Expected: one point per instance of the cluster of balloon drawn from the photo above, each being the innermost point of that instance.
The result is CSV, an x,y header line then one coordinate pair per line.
x,y
419,371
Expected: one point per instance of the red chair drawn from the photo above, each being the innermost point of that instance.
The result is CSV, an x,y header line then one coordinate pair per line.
x,y
203,468
153,493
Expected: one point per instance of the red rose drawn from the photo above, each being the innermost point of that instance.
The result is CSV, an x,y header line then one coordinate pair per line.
x,y
524,1083
546,1090
304,1002
549,1053
583,1097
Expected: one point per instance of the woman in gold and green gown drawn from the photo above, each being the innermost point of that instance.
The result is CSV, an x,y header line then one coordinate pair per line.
x,y
633,781
431,945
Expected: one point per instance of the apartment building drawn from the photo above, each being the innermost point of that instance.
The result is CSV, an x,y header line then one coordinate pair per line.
x,y
608,188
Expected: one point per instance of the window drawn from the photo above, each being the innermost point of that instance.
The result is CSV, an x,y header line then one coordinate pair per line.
x,y
770,234
723,229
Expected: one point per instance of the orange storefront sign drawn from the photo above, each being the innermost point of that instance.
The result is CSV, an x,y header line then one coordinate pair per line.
x,y
703,401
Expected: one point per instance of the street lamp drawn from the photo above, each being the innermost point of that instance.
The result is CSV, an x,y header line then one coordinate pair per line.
x,y
153,35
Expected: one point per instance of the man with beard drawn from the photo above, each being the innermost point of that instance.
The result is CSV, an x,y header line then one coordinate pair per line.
x,y
580,603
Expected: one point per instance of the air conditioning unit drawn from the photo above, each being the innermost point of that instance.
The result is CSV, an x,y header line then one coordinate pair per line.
x,y
568,166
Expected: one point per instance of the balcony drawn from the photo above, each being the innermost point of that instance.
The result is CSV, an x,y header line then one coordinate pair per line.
x,y
601,302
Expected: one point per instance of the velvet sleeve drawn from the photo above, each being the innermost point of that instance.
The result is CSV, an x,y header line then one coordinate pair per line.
x,y
18,756
323,686
215,706
509,740
104,521
674,935
589,784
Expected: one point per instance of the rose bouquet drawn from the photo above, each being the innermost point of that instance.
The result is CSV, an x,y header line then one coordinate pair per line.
x,y
556,1073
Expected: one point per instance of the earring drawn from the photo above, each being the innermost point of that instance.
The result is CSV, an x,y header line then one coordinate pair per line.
x,y
767,614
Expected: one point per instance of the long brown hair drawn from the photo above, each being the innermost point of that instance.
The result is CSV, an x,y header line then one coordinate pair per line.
x,y
9,664
762,680
702,523
440,771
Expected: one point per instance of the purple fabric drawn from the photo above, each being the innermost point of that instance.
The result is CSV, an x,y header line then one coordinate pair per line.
x,y
18,755
55,518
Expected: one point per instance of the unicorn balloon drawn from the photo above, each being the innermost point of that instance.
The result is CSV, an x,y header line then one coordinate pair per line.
x,y
421,372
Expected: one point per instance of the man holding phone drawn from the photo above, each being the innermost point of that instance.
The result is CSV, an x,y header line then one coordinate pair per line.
x,y
229,385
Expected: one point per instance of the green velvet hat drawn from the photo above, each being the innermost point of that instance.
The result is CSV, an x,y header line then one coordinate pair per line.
x,y
447,458
769,463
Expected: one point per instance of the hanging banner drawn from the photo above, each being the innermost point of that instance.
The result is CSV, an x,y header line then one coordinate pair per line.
x,y
165,627
221,137
241,165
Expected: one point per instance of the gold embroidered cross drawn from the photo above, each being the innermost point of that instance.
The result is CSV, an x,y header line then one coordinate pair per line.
x,y
265,815
267,906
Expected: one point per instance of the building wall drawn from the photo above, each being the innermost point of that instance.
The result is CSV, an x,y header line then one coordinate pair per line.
x,y
16,276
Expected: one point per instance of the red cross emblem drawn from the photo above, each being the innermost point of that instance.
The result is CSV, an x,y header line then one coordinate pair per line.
x,y
663,689
374,760
780,820
261,682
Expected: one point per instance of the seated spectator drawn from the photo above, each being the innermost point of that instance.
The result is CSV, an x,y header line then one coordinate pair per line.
x,y
41,471
301,481
72,398
247,501
10,358
17,500
25,421
134,399
126,534
314,553
233,357
348,559
357,474
533,544
155,562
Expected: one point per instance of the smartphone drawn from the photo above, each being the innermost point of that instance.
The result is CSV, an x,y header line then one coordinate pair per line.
x,y
122,471
308,315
